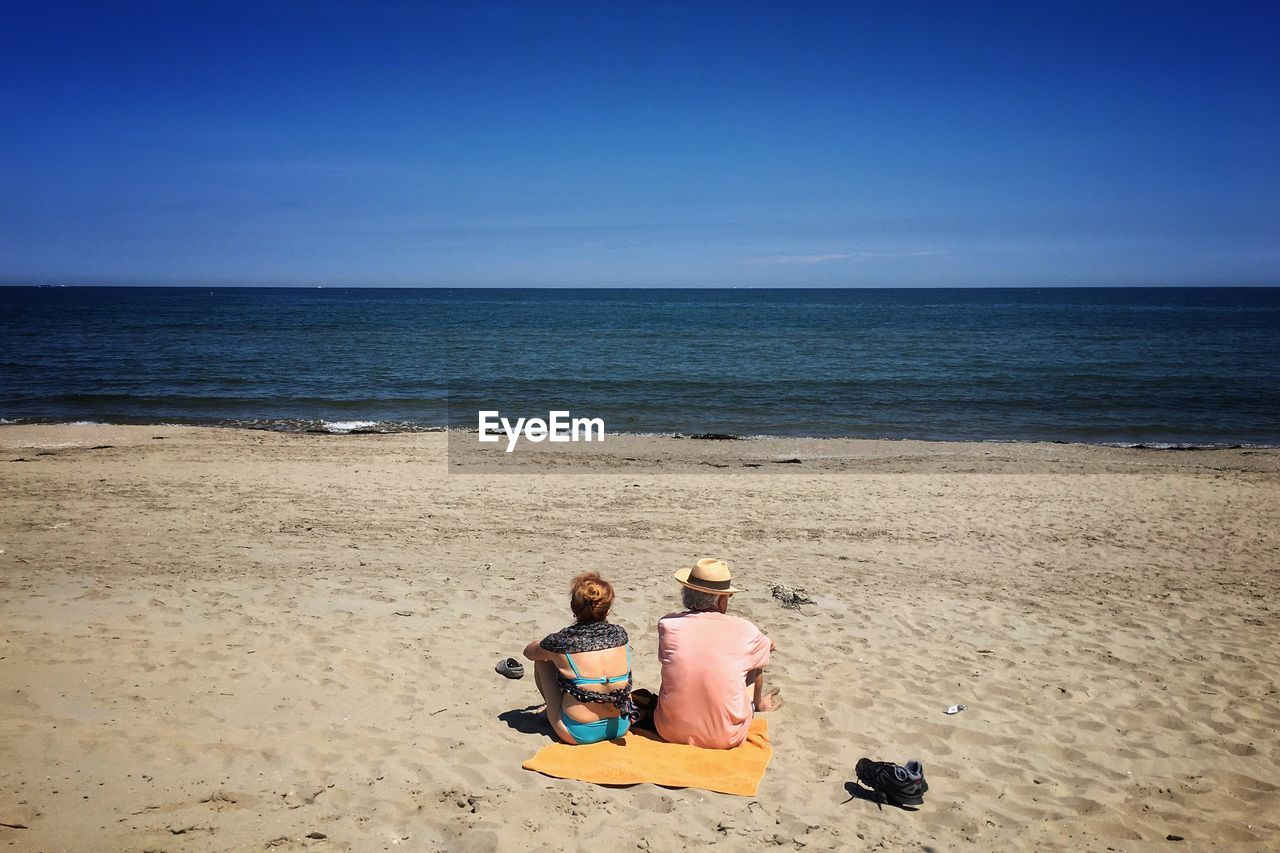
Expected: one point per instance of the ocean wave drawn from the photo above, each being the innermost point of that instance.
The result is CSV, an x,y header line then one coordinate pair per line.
x,y
1174,445
344,427
312,425
324,427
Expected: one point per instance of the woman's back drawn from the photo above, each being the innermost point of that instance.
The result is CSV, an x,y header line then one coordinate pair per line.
x,y
594,672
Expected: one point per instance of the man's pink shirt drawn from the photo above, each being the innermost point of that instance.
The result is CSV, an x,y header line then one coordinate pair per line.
x,y
705,700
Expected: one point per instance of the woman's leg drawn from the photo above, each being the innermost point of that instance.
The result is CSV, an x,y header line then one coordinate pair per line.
x,y
771,701
544,675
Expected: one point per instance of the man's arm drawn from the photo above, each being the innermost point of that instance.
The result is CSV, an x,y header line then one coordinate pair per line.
x,y
759,649
762,699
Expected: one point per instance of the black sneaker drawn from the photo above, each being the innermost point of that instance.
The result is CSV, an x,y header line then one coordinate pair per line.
x,y
899,785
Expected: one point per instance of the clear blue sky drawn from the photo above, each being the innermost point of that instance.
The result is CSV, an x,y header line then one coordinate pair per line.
x,y
603,144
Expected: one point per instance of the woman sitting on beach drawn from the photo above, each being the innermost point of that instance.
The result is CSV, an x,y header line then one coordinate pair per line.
x,y
584,670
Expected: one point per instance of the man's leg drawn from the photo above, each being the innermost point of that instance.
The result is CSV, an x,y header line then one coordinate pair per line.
x,y
770,701
544,675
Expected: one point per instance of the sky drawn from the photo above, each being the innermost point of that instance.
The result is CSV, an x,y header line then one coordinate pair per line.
x,y
744,144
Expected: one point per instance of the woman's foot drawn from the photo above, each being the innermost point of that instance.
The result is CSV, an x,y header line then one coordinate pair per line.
x,y
770,701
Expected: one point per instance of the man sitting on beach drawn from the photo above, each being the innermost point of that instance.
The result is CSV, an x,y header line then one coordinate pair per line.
x,y
712,665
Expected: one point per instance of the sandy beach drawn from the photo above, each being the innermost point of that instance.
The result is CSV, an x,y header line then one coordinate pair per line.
x,y
216,639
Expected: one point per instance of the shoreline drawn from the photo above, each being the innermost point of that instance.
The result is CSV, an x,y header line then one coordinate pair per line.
x,y
340,428
455,452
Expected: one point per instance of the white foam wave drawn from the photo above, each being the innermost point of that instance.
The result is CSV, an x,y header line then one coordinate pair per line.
x,y
341,427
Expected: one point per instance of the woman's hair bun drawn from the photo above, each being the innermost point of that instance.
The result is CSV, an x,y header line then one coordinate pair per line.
x,y
590,596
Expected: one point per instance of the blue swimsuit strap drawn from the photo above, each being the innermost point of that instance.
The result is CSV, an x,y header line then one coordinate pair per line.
x,y
579,680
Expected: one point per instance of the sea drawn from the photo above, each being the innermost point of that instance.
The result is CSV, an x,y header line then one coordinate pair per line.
x,y
1159,367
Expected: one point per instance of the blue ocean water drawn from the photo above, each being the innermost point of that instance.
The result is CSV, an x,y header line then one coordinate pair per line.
x,y
1124,365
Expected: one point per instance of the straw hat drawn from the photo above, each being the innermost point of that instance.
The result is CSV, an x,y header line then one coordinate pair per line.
x,y
707,576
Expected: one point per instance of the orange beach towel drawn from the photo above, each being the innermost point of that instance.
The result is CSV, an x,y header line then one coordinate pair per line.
x,y
641,757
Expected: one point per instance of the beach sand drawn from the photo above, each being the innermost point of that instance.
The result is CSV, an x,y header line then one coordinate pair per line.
x,y
225,639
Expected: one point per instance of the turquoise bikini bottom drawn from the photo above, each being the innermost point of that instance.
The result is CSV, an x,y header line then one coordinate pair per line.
x,y
606,729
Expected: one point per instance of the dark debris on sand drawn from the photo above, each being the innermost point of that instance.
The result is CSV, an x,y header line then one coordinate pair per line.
x,y
791,597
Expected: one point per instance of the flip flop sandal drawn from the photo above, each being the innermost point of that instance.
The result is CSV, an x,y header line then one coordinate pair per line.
x,y
511,668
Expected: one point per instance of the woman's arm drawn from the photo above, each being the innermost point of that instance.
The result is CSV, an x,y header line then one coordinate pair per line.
x,y
535,651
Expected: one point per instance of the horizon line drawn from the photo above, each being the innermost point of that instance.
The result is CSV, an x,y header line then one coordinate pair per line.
x,y
264,286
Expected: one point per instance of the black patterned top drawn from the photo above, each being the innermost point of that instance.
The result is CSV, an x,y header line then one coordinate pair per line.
x,y
593,637
585,637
